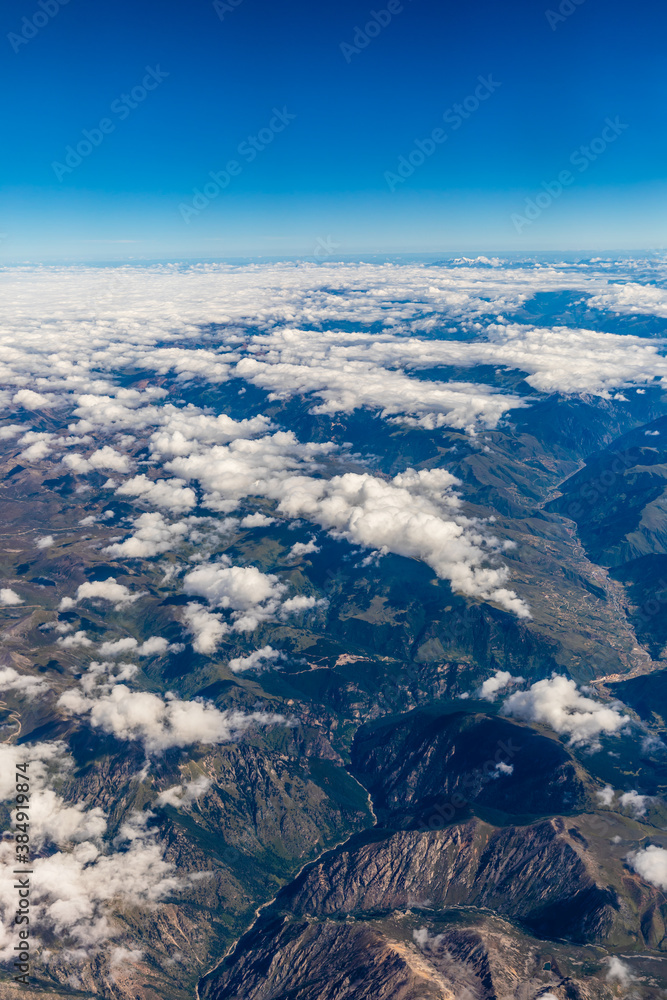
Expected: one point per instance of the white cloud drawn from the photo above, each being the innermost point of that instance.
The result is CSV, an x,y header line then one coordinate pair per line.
x,y
502,768
414,515
105,459
300,603
304,548
250,595
207,628
619,972
11,680
11,430
161,723
651,864
635,802
8,596
171,494
254,659
605,795
39,446
105,590
72,641
183,796
257,520
154,646
75,890
152,535
45,542
31,400
492,686
557,703
632,298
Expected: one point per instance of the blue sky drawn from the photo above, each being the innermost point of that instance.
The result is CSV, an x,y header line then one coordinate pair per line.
x,y
184,87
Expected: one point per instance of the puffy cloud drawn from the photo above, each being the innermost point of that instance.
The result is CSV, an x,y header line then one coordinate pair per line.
x,y
161,723
632,298
45,542
651,864
492,686
171,494
8,596
207,627
357,384
250,595
247,467
619,972
76,890
152,535
10,431
413,515
188,429
557,703
105,590
606,795
154,646
30,400
183,796
300,603
11,680
72,641
635,802
257,520
105,459
39,446
254,659
304,548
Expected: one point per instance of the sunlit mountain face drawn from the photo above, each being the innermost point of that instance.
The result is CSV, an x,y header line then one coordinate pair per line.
x,y
333,608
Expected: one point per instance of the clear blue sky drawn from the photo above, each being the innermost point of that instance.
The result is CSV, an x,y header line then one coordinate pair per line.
x,y
330,172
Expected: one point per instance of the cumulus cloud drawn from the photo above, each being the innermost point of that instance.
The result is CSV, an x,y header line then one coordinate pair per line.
x,y
605,795
45,542
416,514
152,536
78,639
161,723
254,659
651,864
257,520
30,400
154,646
557,703
300,603
619,972
635,802
300,549
207,627
183,796
9,596
76,888
105,590
492,686
105,459
23,684
171,494
250,595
